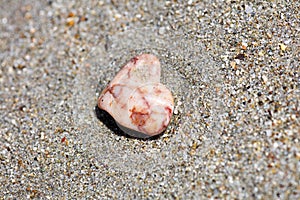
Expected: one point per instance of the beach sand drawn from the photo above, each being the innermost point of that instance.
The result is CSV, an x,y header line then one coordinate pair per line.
x,y
233,69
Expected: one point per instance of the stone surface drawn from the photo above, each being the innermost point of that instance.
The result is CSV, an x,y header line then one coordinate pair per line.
x,y
136,99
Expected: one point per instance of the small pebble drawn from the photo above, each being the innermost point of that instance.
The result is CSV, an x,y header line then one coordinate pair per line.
x,y
135,98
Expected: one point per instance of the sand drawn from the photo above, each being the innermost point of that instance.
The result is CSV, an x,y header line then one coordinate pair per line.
x,y
233,69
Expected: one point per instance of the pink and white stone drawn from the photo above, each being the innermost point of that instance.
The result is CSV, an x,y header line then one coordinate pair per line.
x,y
135,98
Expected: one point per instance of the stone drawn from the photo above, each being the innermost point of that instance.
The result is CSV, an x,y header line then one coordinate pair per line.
x,y
135,98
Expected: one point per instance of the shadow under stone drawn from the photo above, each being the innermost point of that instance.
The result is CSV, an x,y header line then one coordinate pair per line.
x,y
111,124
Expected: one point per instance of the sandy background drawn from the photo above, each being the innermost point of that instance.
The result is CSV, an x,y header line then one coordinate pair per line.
x,y
232,66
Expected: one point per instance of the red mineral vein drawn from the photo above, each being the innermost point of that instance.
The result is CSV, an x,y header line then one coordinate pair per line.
x,y
124,106
128,73
157,91
169,110
139,117
146,102
142,94
112,91
134,60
